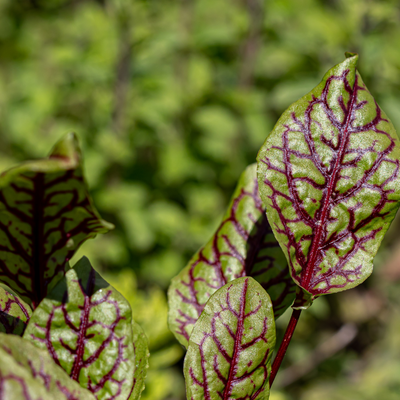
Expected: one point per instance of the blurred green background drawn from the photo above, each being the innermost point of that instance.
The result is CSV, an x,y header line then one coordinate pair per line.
x,y
171,100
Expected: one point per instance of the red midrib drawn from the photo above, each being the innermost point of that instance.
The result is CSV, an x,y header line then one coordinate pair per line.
x,y
80,346
308,271
238,342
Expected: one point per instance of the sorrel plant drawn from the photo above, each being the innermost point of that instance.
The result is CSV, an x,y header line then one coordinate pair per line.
x,y
328,182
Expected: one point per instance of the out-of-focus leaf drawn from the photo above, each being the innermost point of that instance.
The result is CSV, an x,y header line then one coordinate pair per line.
x,y
86,326
28,373
141,351
243,245
329,176
45,214
230,349
14,313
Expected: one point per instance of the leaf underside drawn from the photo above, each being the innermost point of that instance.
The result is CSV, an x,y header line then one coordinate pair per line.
x,y
14,313
229,352
86,326
243,245
28,373
329,177
45,215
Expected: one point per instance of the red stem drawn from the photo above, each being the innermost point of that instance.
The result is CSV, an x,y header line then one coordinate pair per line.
x,y
284,345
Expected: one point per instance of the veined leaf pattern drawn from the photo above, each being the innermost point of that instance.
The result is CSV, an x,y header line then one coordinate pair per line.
x,y
329,176
229,353
243,245
86,326
28,373
45,215
14,313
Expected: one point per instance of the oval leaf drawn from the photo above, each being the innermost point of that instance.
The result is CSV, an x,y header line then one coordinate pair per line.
x,y
28,373
230,349
45,215
86,326
14,313
329,176
243,245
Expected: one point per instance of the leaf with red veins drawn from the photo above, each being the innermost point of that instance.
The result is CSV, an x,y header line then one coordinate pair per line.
x,y
45,215
329,177
86,326
141,350
14,313
230,349
28,373
243,245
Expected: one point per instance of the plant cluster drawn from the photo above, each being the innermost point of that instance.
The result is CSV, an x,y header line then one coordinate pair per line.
x,y
328,182
305,222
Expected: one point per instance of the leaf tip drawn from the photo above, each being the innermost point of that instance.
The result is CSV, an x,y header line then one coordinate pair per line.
x,y
67,148
350,54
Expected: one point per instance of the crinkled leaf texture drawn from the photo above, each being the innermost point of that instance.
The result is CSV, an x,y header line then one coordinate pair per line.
x,y
329,177
14,313
28,373
230,349
45,214
243,245
86,326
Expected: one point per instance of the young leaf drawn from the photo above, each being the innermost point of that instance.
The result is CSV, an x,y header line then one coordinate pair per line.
x,y
86,326
230,349
141,350
45,215
243,245
28,373
14,313
329,176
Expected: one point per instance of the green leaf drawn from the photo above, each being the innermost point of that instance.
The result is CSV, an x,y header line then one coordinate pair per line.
x,y
243,245
86,326
28,373
141,350
230,349
329,176
14,313
45,215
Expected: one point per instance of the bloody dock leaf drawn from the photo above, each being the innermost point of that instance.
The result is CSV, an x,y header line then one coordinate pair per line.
x,y
28,373
141,350
14,313
45,215
86,326
243,245
329,177
230,348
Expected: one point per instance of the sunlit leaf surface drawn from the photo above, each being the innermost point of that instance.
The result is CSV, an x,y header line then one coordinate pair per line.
x,y
230,349
329,176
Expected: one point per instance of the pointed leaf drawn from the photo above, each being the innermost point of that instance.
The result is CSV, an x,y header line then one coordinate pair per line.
x,y
141,349
329,176
243,245
230,349
28,373
45,215
86,326
14,313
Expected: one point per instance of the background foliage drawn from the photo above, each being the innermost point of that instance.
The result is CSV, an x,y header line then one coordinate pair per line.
x,y
171,100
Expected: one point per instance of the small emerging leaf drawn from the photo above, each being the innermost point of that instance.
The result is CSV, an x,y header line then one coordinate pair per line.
x,y
86,326
230,349
243,245
14,313
45,215
28,373
329,177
